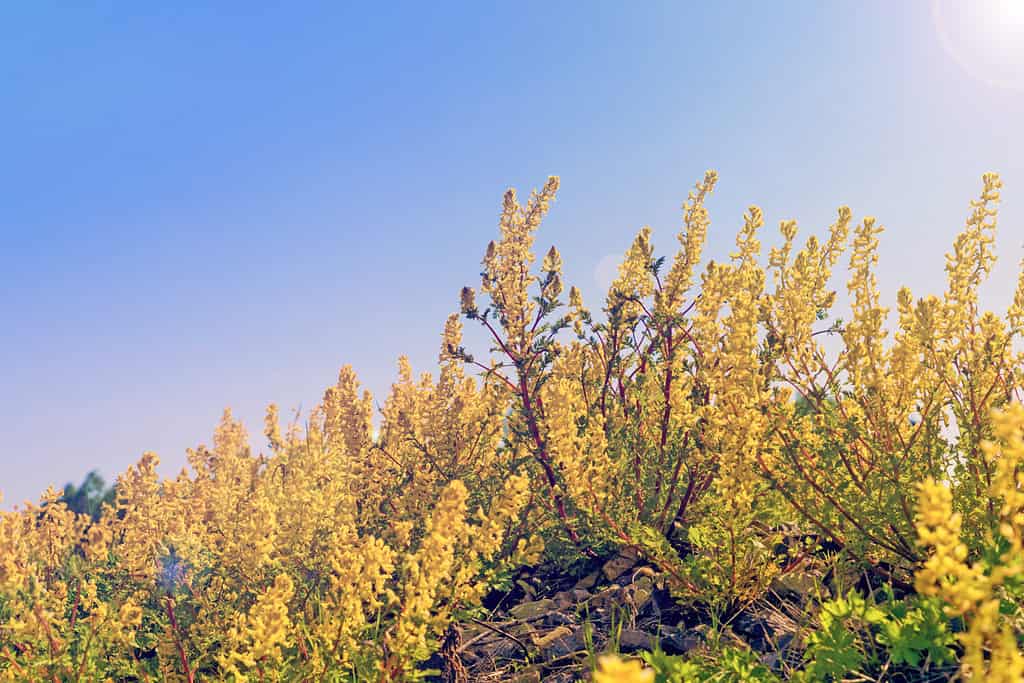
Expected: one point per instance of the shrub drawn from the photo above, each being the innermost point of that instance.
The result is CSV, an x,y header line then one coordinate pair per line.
x,y
698,419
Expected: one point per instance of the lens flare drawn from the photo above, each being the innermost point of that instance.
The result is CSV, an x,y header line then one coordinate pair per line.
x,y
985,37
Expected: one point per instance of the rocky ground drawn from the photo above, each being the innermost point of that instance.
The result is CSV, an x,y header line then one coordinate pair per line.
x,y
548,627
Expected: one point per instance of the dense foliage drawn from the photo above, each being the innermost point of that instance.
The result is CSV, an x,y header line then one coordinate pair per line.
x,y
89,497
704,413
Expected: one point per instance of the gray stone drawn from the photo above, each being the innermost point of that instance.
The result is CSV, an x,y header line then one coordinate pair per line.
x,y
530,675
625,560
606,598
642,590
558,619
677,641
563,599
532,610
561,641
631,640
797,586
588,581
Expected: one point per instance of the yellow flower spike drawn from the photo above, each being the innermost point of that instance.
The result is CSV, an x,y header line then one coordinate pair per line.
x,y
506,277
635,279
691,241
272,427
451,339
967,589
552,262
614,669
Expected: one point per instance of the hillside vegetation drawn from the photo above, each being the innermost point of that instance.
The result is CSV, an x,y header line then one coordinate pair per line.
x,y
711,426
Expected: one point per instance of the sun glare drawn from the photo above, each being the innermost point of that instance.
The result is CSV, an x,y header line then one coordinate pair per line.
x,y
985,37
1012,10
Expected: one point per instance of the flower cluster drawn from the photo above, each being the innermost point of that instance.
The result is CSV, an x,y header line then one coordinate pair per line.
x,y
336,554
612,669
977,590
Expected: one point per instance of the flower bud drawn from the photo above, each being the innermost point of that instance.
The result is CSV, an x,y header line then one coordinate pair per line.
x,y
468,301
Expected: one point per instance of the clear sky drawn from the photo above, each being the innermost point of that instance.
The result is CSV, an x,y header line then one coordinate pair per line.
x,y
219,204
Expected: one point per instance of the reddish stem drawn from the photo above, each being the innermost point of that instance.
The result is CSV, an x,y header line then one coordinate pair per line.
x,y
169,605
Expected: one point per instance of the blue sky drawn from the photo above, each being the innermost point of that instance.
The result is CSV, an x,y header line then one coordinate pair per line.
x,y
220,204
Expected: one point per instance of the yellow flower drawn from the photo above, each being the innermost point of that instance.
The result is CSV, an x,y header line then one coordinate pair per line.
x,y
613,669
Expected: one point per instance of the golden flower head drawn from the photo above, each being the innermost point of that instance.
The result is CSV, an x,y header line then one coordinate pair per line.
x,y
552,262
614,669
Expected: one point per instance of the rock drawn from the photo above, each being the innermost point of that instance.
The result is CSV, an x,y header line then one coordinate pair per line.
x,y
530,675
789,653
765,629
563,599
580,595
471,631
542,641
498,649
561,641
587,582
558,619
667,611
677,641
532,610
625,560
755,630
631,640
606,598
798,587
641,592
